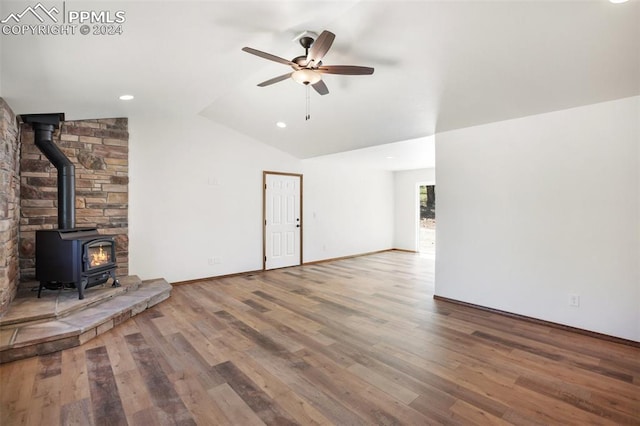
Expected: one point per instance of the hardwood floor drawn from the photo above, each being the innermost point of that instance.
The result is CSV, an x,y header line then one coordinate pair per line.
x,y
349,342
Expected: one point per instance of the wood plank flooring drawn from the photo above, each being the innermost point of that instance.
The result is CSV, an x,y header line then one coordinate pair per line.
x,y
358,341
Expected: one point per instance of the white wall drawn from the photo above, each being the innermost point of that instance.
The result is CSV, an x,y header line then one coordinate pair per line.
x,y
535,209
406,206
347,211
196,193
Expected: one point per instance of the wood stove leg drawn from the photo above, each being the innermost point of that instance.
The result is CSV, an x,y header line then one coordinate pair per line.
x,y
116,283
82,285
40,288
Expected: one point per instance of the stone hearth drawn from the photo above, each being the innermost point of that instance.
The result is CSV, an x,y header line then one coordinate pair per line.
x,y
59,320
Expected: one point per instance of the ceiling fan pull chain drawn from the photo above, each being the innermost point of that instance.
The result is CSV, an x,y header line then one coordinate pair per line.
x,y
308,105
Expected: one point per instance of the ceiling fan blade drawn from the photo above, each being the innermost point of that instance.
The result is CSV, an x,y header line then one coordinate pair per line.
x,y
320,46
345,70
270,57
321,88
275,80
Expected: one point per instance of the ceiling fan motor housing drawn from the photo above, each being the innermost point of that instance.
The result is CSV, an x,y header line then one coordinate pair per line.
x,y
300,60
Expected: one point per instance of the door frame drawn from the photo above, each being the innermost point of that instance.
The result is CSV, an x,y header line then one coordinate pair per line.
x,y
264,214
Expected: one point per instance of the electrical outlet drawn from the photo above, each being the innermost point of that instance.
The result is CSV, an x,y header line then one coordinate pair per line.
x,y
217,260
574,300
210,261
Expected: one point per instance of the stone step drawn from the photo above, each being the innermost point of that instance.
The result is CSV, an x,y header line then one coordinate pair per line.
x,y
72,326
52,304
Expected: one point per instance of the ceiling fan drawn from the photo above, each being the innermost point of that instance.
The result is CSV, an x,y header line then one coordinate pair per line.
x,y
308,68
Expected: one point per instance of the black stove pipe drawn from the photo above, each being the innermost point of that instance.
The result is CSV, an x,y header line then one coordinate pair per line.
x,y
44,126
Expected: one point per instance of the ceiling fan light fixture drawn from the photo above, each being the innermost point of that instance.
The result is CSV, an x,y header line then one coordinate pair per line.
x,y
306,76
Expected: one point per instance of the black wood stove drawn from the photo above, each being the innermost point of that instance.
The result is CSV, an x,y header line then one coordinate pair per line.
x,y
68,256
81,257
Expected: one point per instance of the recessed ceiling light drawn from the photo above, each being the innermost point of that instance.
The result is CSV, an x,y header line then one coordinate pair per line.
x,y
389,158
618,1
281,124
126,97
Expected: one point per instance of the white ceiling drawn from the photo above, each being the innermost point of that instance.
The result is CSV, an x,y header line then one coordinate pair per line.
x,y
439,65
411,154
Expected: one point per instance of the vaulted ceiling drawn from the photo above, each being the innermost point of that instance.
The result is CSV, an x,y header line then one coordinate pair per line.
x,y
439,65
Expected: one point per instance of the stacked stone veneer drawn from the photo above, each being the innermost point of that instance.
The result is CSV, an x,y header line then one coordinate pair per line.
x,y
99,151
9,205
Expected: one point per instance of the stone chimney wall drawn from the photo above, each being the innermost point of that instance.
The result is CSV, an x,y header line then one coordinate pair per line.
x,y
99,149
9,205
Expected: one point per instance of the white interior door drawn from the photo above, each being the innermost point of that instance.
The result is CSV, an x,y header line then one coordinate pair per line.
x,y
283,220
